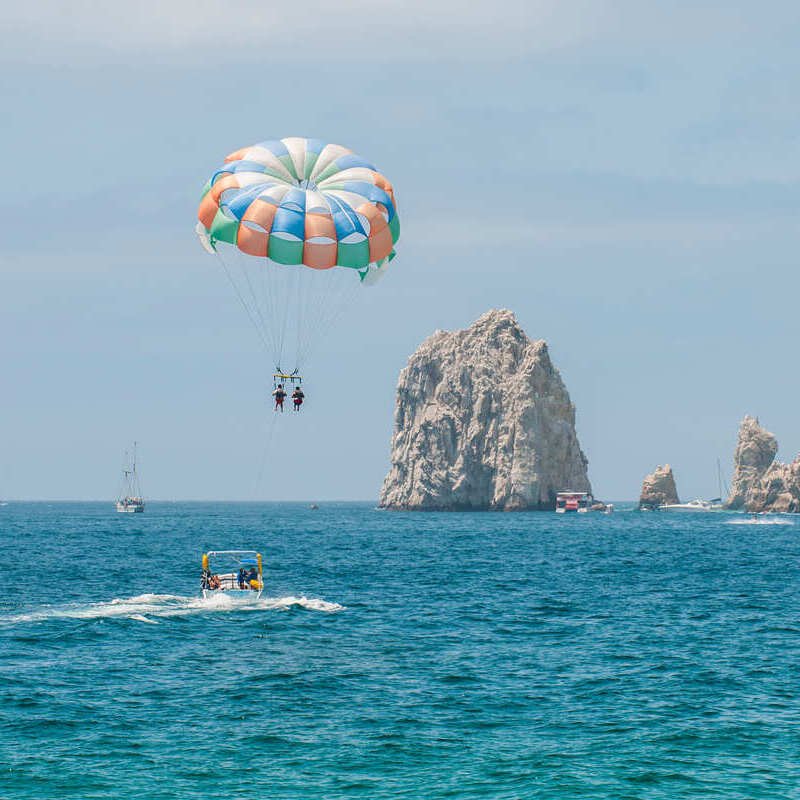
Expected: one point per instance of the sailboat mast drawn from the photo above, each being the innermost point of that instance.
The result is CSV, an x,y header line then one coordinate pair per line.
x,y
723,488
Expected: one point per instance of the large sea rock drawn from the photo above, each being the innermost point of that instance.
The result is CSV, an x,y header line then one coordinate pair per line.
x,y
658,488
759,482
482,421
755,452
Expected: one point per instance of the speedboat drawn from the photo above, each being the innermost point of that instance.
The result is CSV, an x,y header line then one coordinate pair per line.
x,y
232,572
692,505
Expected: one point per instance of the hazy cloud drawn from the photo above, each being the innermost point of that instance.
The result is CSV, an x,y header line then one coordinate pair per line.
x,y
209,31
205,30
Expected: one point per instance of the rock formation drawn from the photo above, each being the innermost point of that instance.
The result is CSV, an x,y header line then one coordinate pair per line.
x,y
778,489
482,421
755,451
759,482
658,488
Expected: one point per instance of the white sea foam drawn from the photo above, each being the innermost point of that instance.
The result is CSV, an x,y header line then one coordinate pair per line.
x,y
144,607
143,618
761,521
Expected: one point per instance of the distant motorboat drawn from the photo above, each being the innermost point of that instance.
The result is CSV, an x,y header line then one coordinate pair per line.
x,y
567,502
692,505
130,500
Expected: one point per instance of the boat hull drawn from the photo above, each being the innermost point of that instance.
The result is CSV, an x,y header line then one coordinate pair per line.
x,y
234,593
686,508
130,508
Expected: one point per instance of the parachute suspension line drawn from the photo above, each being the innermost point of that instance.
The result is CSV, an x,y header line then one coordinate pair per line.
x,y
317,296
310,297
275,280
242,300
256,305
283,313
266,299
300,321
298,304
290,306
309,281
327,295
314,302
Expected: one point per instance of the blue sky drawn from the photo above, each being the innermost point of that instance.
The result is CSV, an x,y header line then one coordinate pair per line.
x,y
624,175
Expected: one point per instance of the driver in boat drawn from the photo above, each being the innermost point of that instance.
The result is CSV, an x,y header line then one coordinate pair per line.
x,y
279,396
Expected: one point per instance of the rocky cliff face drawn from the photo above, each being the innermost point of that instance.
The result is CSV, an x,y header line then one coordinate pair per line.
x,y
482,421
759,482
778,489
658,488
755,452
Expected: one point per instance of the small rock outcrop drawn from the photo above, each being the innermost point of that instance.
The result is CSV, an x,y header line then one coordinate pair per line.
x,y
658,488
755,452
759,482
482,421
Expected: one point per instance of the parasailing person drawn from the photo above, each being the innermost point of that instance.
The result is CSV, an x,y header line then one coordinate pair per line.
x,y
280,395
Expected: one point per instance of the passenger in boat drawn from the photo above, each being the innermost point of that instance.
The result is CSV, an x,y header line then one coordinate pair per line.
x,y
297,398
214,582
242,578
279,396
252,578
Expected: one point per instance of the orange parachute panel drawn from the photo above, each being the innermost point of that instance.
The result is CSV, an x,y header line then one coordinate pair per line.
x,y
319,256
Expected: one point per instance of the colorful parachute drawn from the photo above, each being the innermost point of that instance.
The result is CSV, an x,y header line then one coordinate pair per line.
x,y
290,205
302,201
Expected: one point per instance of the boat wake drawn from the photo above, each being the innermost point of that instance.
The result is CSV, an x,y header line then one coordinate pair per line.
x,y
150,608
761,521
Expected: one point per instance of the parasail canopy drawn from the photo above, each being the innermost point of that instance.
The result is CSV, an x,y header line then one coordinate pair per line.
x,y
302,201
282,214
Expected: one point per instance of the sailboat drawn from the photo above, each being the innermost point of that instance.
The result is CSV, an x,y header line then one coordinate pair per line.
x,y
717,504
130,499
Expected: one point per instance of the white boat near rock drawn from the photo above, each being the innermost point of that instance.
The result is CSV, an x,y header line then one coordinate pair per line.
x,y
692,505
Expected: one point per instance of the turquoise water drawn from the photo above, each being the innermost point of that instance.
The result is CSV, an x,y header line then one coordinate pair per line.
x,y
398,655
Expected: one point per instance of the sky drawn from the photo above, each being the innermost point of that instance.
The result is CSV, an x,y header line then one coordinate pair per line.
x,y
624,175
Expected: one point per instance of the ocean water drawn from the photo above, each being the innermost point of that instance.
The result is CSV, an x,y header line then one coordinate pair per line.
x,y
398,655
